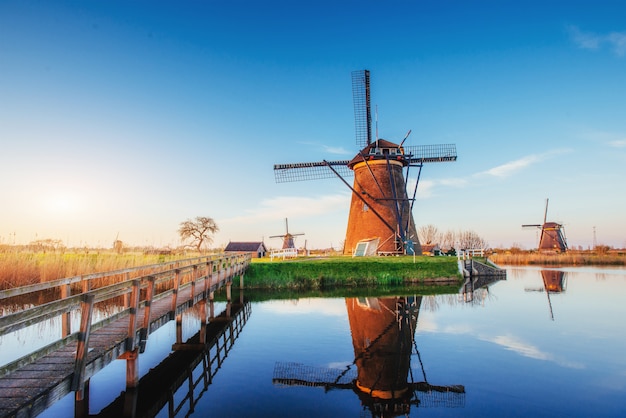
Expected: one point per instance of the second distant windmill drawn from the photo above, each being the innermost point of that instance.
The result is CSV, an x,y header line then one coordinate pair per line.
x,y
552,235
287,237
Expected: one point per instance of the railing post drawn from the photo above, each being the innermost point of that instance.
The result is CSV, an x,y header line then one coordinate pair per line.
x,y
85,285
175,293
127,298
66,323
143,334
194,277
207,278
86,309
132,317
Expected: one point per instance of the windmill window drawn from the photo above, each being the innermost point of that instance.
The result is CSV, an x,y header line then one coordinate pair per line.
x,y
393,151
365,207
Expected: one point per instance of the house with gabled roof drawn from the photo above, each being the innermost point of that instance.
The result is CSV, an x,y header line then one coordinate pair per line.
x,y
257,248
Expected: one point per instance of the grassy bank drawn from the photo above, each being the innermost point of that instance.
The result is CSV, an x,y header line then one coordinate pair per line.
x,y
24,268
324,273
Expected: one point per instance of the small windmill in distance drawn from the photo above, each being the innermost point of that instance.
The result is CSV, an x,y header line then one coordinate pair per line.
x,y
552,235
288,238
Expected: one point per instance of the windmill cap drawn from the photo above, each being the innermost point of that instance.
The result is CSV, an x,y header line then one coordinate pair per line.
x,y
377,150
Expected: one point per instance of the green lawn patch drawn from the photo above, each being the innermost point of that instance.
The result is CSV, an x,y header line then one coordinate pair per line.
x,y
324,273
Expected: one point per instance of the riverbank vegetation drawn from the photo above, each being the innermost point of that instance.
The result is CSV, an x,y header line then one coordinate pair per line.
x,y
26,267
570,258
21,268
323,273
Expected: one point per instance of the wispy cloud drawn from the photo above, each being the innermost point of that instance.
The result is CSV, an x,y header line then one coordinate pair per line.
x,y
520,347
508,169
337,150
611,139
278,207
525,349
329,149
616,41
618,143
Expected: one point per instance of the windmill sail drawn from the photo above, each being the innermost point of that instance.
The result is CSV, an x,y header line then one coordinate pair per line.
x,y
362,108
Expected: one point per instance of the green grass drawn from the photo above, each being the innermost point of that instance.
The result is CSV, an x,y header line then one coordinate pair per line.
x,y
358,272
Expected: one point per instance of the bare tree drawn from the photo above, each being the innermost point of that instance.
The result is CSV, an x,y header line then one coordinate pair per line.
x,y
448,240
428,234
198,231
470,239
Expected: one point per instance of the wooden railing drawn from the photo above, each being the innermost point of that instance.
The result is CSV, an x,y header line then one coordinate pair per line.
x,y
284,253
469,253
140,287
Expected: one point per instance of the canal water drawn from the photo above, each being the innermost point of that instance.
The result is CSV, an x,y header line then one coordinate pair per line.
x,y
542,343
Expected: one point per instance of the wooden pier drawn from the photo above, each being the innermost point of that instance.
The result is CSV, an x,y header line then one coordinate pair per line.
x,y
152,295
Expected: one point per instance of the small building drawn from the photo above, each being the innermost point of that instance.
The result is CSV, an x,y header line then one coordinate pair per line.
x,y
257,248
431,249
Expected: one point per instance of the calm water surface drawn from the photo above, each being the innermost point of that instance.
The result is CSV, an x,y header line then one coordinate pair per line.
x,y
541,343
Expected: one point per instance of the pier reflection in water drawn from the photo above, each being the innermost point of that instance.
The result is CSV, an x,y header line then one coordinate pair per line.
x,y
179,381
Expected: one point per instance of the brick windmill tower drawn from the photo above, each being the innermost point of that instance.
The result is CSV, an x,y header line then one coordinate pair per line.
x,y
381,210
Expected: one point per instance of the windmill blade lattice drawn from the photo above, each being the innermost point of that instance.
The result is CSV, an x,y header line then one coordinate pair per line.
x,y
362,108
285,173
430,153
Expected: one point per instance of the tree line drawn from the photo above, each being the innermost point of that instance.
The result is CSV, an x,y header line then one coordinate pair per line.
x,y
430,235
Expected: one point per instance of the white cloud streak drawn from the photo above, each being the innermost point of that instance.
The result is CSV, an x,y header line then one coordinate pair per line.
x,y
508,169
295,206
618,143
593,41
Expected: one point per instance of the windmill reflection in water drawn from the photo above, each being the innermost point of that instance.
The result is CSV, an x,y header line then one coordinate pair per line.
x,y
554,281
383,336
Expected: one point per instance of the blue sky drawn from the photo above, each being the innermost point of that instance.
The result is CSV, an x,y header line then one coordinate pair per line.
x,y
130,117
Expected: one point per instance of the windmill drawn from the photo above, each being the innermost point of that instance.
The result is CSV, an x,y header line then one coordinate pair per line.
x,y
552,235
380,207
288,238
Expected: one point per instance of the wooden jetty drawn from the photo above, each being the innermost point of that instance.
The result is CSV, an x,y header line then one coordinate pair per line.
x,y
153,295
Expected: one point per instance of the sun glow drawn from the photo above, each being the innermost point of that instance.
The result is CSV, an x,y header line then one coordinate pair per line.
x,y
62,203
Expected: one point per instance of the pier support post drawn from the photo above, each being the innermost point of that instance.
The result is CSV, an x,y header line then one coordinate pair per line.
x,y
203,322
179,329
132,382
81,405
86,309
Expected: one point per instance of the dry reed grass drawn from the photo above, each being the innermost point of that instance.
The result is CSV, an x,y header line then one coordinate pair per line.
x,y
571,258
24,268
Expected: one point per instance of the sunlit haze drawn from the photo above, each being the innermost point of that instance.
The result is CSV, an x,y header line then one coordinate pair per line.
x,y
122,119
